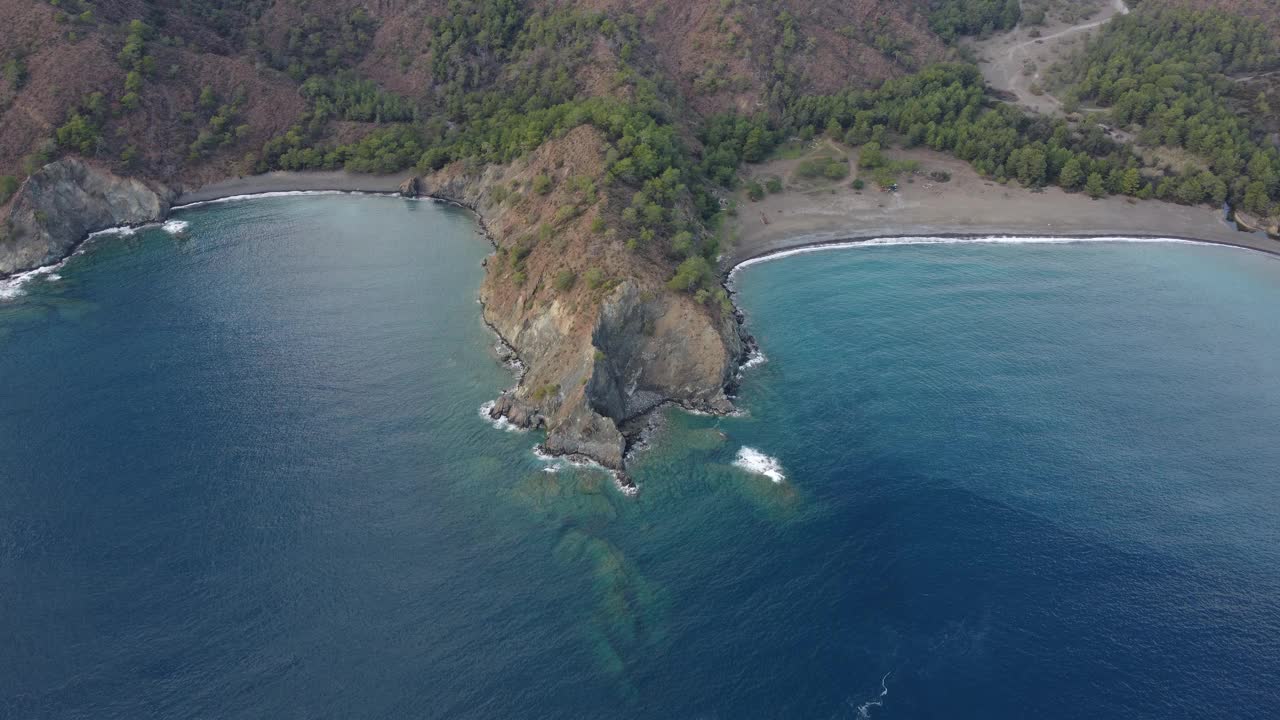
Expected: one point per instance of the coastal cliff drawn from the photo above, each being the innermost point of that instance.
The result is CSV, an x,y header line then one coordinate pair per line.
x,y
65,201
602,338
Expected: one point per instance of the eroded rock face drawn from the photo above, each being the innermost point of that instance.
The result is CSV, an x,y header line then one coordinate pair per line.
x,y
655,347
65,201
598,356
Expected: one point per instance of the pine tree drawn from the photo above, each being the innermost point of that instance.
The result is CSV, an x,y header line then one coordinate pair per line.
x,y
1131,182
1095,186
1072,175
1256,200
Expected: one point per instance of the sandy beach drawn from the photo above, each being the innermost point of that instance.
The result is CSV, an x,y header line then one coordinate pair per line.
x,y
282,181
811,213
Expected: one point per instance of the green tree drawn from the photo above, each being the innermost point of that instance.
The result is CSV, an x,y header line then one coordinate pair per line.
x,y
1256,200
1190,191
78,133
753,149
871,157
1095,186
208,99
1072,175
692,274
1131,182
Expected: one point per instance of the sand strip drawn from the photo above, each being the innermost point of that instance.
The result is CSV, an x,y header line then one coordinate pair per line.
x,y
966,206
282,181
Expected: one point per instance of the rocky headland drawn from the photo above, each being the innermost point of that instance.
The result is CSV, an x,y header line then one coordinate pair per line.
x,y
602,338
59,205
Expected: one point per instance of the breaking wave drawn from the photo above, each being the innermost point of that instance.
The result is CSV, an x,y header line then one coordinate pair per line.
x,y
501,423
122,231
755,359
11,287
757,463
175,227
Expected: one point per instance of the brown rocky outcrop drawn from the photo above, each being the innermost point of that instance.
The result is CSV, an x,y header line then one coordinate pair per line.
x,y
603,351
62,203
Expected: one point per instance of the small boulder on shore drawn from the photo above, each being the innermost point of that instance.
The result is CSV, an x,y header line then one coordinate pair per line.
x,y
410,187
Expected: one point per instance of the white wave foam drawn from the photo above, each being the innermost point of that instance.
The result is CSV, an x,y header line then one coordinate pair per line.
x,y
11,287
122,231
755,359
175,227
974,240
556,463
560,461
501,423
757,463
864,710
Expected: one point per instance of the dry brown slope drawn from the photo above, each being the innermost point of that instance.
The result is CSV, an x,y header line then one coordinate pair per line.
x,y
66,62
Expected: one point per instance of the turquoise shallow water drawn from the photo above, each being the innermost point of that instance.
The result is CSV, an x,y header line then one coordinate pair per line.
x,y
244,475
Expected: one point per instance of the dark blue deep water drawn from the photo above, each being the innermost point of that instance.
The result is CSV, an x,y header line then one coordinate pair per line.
x,y
243,475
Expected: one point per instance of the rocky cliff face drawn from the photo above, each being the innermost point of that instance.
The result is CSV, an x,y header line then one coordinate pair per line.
x,y
610,346
65,201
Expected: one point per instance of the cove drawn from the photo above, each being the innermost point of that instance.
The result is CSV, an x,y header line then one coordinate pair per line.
x,y
244,475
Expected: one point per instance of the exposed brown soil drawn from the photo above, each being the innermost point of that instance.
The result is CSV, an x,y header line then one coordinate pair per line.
x,y
1015,62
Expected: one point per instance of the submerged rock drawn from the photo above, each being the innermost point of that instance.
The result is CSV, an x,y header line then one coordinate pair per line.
x,y
59,205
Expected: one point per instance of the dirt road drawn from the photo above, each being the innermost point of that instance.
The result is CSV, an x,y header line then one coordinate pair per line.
x,y
1005,56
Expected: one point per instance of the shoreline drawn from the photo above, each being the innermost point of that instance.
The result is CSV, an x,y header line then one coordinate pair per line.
x,y
814,232
809,226
964,206
282,181
783,248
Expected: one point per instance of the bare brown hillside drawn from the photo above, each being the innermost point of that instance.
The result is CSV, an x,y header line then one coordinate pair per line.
x,y
707,55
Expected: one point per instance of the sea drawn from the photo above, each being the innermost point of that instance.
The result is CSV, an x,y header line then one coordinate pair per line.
x,y
244,474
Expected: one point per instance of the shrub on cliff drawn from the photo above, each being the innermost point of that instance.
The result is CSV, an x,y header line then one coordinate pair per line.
x,y
693,273
565,280
79,133
8,186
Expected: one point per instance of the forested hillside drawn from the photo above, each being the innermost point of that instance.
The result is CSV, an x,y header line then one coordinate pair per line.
x,y
1181,79
191,91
